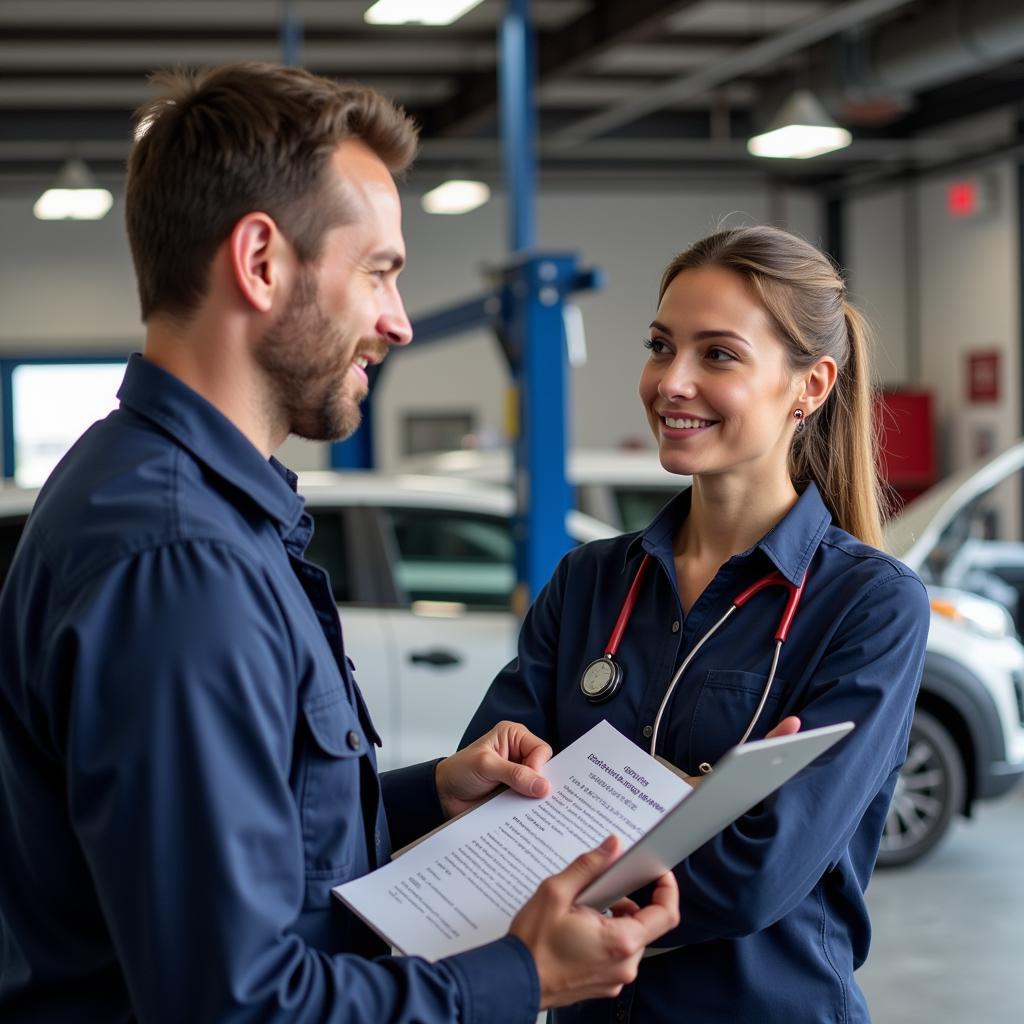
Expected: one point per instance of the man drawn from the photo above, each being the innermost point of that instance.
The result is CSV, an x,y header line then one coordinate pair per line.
x,y
186,763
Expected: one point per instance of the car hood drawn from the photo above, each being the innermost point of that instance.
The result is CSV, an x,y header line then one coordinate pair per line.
x,y
912,534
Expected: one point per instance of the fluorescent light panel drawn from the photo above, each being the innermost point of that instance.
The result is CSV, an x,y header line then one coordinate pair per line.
x,y
799,141
74,196
801,129
418,12
73,204
456,196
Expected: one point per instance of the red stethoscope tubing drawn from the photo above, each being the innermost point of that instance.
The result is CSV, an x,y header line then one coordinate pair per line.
x,y
626,612
771,579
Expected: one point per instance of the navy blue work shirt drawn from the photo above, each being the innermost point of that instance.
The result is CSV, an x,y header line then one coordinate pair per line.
x,y
186,763
773,920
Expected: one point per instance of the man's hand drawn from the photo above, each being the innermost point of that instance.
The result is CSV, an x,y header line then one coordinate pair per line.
x,y
509,755
580,953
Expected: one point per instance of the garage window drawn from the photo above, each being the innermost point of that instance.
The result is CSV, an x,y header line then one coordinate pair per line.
x,y
48,403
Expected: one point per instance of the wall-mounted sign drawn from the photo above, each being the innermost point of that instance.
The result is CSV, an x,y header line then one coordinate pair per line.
x,y
983,376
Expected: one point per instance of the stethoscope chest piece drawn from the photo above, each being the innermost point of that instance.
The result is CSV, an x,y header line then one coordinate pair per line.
x,y
601,679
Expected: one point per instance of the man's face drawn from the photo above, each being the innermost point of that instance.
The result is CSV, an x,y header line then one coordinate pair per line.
x,y
344,311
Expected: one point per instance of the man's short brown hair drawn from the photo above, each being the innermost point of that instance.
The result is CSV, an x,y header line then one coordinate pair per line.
x,y
221,143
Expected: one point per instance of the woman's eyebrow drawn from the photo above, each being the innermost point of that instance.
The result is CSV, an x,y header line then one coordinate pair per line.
x,y
657,325
721,333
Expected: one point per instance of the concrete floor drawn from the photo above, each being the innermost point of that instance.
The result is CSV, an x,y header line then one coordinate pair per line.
x,y
948,944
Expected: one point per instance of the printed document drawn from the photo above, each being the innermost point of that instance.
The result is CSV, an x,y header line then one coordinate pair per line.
x,y
461,887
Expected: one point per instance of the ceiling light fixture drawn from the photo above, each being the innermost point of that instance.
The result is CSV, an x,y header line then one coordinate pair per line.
x,y
73,196
456,196
418,12
800,130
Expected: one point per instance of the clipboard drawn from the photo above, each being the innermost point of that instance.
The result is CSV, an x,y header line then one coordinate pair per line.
x,y
741,779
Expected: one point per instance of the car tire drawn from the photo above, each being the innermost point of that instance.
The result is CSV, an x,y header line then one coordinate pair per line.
x,y
929,792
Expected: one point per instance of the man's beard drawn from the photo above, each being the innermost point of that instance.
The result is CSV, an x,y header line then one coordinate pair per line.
x,y
300,355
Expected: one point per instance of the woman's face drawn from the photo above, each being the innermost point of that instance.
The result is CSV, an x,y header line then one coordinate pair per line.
x,y
717,391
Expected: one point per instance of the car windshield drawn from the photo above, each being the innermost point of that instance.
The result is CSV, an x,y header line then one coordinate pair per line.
x,y
981,549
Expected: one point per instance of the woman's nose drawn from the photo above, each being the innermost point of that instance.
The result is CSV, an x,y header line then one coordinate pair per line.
x,y
678,380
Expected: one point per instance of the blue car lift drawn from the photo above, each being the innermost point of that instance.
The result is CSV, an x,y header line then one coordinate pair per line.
x,y
526,311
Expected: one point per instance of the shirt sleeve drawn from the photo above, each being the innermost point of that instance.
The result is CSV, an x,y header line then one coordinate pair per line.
x,y
175,681
766,862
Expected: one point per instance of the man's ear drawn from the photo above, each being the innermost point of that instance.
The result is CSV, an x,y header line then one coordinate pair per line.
x,y
258,255
818,383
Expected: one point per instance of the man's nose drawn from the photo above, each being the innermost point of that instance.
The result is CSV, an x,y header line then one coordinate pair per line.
x,y
393,324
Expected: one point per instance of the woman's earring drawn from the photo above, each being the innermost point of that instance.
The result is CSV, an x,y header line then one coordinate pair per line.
x,y
798,415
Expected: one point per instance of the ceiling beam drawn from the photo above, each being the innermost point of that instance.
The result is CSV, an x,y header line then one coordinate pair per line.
x,y
746,60
560,51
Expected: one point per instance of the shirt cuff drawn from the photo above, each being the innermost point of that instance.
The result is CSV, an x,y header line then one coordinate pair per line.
x,y
498,983
411,802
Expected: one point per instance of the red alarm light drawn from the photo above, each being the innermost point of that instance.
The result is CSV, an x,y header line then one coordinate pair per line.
x,y
962,198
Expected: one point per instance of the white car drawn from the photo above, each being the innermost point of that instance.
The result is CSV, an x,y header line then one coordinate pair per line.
x,y
625,489
968,737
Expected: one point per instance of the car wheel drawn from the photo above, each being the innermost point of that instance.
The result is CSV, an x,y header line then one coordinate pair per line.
x,y
929,792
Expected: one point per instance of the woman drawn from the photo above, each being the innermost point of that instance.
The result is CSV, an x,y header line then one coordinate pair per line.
x,y
757,385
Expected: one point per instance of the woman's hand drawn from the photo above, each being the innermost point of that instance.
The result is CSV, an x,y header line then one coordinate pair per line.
x,y
787,727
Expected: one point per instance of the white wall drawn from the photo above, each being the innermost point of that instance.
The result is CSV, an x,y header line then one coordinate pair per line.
x,y
69,286
874,249
65,285
961,295
969,300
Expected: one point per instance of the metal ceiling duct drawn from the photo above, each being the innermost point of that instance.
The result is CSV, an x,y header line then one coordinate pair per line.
x,y
948,41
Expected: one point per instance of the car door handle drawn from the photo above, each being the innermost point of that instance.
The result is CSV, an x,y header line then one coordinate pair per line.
x,y
437,657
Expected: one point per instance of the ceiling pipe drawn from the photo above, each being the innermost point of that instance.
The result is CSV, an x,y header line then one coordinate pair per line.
x,y
961,37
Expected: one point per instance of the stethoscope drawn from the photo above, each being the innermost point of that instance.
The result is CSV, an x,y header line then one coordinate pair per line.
x,y
602,678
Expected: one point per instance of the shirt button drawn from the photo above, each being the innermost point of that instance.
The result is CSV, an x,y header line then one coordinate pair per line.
x,y
353,739
675,626
648,731
620,1012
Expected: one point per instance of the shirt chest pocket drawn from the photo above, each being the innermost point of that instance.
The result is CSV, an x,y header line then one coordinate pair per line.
x,y
333,833
725,706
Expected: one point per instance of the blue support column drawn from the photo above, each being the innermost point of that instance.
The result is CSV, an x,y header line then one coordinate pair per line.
x,y
518,123
290,34
7,408
535,329
356,452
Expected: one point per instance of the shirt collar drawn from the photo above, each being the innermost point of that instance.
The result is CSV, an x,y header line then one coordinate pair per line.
x,y
789,545
212,438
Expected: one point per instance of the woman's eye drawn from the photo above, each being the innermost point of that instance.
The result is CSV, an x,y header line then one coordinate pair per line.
x,y
720,355
655,346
